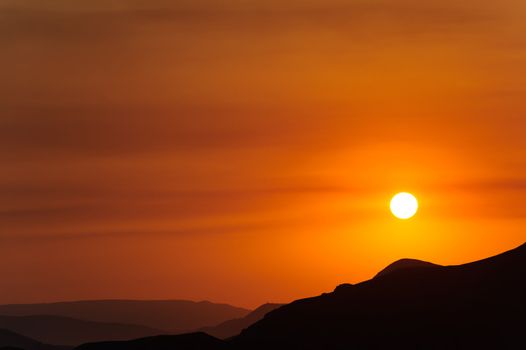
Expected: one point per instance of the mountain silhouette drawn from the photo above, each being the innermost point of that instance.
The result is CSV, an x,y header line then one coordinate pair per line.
x,y
69,331
405,264
190,341
233,327
11,340
169,316
479,305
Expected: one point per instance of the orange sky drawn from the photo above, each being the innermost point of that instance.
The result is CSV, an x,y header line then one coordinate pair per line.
x,y
246,151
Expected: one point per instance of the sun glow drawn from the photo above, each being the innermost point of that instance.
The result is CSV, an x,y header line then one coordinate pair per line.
x,y
404,205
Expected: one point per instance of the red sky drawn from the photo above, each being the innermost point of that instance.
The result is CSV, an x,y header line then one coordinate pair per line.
x,y
246,151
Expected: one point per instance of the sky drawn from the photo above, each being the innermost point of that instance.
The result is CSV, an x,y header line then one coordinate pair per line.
x,y
246,151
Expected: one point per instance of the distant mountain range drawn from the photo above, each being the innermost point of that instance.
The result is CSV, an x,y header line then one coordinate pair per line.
x,y
169,316
73,332
233,327
411,305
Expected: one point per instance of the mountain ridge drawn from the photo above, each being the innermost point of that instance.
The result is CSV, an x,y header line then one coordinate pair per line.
x,y
475,305
168,315
478,305
405,263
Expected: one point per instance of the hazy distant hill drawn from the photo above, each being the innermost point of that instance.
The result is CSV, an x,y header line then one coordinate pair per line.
x,y
190,341
68,331
481,305
231,328
170,316
10,340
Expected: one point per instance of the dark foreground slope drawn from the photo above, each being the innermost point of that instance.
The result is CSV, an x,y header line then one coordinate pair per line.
x,y
190,341
170,315
233,327
10,340
69,331
481,305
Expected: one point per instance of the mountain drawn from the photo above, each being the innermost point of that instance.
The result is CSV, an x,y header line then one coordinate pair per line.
x,y
480,305
170,316
10,340
190,341
69,331
233,327
405,264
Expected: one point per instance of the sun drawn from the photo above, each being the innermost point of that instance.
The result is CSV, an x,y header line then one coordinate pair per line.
x,y
404,205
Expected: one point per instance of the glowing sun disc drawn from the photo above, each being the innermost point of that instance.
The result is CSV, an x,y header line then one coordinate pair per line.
x,y
404,205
